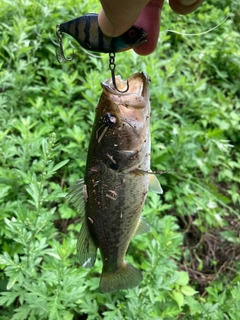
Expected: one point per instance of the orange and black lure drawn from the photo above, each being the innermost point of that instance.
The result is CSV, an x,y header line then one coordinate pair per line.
x,y
86,31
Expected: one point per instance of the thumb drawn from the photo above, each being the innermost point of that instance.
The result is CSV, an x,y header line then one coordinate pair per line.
x,y
116,17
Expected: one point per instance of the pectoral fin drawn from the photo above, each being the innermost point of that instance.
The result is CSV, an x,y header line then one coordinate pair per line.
x,y
142,227
154,184
86,248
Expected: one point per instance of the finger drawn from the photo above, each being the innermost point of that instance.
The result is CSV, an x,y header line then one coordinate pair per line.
x,y
184,6
149,20
116,17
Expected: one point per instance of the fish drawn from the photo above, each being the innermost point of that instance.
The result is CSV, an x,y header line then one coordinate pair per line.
x,y
86,31
116,182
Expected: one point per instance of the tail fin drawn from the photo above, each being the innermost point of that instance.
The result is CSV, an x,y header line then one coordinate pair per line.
x,y
124,278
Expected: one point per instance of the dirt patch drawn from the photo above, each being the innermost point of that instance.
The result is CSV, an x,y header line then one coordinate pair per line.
x,y
206,256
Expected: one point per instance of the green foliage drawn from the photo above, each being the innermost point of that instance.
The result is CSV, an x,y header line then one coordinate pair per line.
x,y
190,259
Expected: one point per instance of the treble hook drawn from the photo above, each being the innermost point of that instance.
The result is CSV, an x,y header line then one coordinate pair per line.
x,y
112,67
61,56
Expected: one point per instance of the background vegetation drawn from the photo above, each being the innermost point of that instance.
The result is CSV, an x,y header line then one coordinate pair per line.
x,y
190,260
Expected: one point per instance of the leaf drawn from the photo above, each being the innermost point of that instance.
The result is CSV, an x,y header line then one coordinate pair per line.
x,y
34,192
7,298
60,165
54,310
67,315
188,291
11,282
230,236
45,148
21,313
51,170
178,297
52,254
4,191
5,257
194,305
183,278
9,223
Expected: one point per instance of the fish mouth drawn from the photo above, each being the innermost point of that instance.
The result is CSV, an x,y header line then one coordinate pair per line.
x,y
138,87
133,105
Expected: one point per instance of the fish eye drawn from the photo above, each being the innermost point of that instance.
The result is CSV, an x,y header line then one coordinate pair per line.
x,y
132,33
109,119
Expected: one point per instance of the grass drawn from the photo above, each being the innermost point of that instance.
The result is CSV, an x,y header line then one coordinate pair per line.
x,y
190,260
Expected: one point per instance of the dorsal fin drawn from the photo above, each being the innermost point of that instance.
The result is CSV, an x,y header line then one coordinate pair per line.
x,y
77,195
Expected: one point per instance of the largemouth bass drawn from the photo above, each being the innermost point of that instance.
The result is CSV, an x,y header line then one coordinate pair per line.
x,y
116,181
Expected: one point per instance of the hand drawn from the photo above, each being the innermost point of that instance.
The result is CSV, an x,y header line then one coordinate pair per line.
x,y
116,17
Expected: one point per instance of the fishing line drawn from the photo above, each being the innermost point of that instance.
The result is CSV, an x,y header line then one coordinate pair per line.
x,y
204,32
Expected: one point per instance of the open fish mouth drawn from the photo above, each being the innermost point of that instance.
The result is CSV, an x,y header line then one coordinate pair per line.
x,y
138,86
128,103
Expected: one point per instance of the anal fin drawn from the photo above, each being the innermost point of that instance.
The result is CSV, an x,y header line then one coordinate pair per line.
x,y
86,248
142,227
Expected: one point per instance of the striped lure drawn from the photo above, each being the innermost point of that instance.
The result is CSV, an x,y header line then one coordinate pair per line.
x,y
86,31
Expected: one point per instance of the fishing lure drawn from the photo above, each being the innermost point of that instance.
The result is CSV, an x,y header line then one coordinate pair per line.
x,y
86,31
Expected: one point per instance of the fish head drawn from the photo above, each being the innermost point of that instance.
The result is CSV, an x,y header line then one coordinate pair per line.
x,y
122,122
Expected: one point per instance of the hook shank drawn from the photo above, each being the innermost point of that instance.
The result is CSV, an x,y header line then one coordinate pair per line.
x,y
112,67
